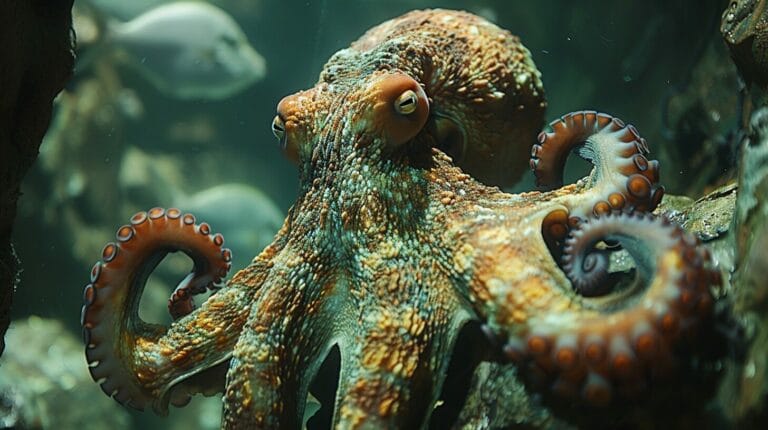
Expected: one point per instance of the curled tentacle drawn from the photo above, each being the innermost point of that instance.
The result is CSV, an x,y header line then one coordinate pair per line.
x,y
614,343
110,312
587,269
210,267
623,178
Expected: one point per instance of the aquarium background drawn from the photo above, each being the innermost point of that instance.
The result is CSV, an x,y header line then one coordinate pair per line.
x,y
117,145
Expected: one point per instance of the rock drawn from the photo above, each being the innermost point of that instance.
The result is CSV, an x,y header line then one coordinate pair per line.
x,y
709,218
45,384
745,391
498,399
744,27
36,53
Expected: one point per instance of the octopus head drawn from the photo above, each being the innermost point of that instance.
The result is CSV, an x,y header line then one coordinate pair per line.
x,y
384,112
292,122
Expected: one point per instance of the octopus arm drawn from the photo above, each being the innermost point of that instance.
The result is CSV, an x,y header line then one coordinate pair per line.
x,y
622,177
393,363
138,363
607,347
287,336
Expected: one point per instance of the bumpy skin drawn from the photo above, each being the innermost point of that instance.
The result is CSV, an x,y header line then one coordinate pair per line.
x,y
486,99
391,248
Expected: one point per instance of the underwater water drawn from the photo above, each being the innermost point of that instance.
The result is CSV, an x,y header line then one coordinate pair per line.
x,y
172,105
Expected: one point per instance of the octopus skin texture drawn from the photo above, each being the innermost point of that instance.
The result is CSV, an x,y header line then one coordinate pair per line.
x,y
391,248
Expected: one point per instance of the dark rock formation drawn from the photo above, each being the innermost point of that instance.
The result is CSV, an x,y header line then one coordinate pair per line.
x,y
36,60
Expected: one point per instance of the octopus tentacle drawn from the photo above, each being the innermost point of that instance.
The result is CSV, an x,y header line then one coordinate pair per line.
x,y
136,362
612,345
393,367
588,271
281,348
622,179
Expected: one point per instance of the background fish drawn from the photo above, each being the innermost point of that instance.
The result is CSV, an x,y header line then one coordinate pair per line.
x,y
246,217
125,10
188,50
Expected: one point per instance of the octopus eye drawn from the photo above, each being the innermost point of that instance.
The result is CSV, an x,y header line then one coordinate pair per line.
x,y
289,123
406,103
278,127
400,108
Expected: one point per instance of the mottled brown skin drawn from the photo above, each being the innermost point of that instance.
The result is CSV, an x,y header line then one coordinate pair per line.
x,y
391,248
486,97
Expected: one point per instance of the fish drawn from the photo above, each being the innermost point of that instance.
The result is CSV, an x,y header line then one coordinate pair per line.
x,y
188,50
126,10
246,217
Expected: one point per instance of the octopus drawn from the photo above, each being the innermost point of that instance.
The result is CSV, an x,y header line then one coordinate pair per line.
x,y
394,245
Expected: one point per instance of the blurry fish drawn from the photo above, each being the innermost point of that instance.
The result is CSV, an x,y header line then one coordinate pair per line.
x,y
245,216
126,9
188,50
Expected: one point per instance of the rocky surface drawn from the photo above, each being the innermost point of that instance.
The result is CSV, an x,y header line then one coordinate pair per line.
x,y
745,390
45,384
36,59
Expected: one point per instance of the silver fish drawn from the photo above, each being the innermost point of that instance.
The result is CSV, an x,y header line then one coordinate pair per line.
x,y
126,10
189,50
246,217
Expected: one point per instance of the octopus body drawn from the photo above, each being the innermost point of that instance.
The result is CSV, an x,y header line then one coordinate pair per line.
x,y
393,246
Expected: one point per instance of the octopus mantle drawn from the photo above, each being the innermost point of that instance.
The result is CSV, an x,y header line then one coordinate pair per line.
x,y
391,248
